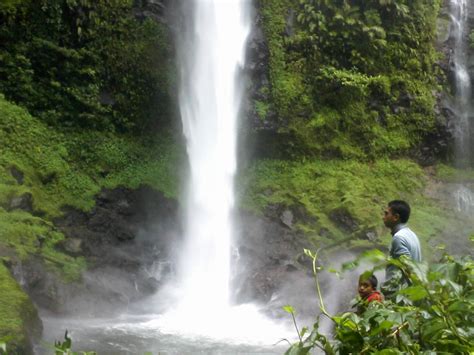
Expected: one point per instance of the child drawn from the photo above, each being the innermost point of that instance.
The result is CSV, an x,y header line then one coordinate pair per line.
x,y
368,288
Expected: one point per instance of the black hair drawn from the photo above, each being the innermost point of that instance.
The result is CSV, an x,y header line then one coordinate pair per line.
x,y
370,278
401,208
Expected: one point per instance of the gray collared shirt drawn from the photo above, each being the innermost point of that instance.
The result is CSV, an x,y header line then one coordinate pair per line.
x,y
405,242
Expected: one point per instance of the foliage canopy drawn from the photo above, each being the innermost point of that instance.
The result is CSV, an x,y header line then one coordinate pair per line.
x,y
85,63
351,78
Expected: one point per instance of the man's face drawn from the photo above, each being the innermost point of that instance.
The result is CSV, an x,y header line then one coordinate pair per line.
x,y
365,289
390,219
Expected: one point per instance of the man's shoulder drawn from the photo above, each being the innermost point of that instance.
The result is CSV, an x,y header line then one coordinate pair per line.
x,y
404,232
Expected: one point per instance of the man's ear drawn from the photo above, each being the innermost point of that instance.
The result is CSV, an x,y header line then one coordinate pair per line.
x,y
397,217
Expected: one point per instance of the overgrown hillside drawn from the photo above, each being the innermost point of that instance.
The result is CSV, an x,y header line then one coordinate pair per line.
x,y
349,79
85,104
93,64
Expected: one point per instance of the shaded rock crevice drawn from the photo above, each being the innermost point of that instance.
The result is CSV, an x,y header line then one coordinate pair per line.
x,y
124,239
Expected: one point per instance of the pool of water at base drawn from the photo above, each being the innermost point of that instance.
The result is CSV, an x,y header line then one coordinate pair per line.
x,y
140,335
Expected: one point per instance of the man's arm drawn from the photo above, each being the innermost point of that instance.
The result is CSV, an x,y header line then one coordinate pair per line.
x,y
398,248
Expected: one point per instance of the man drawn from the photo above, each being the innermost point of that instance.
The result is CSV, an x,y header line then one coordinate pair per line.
x,y
404,240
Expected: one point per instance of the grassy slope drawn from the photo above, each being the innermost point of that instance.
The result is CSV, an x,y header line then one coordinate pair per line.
x,y
16,311
360,189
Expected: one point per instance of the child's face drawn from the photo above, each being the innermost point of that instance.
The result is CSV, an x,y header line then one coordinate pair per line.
x,y
365,289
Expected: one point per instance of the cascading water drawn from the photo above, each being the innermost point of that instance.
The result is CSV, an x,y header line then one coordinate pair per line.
x,y
212,52
463,96
460,32
209,102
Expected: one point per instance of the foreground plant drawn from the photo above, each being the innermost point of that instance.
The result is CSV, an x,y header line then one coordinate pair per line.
x,y
65,347
429,310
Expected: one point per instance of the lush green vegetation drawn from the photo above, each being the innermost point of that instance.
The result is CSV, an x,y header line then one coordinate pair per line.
x,y
450,174
351,79
86,63
432,312
17,314
62,168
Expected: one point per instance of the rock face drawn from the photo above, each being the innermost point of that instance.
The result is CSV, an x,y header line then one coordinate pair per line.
x,y
126,240
268,257
23,202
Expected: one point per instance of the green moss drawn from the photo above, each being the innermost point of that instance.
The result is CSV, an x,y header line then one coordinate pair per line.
x,y
451,174
70,168
17,314
317,190
29,235
323,187
87,64
350,81
262,109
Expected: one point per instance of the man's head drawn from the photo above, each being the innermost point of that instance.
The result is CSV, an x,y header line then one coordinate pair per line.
x,y
397,211
367,284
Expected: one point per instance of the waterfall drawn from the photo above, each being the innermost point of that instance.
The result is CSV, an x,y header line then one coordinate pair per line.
x,y
209,103
463,94
211,54
460,33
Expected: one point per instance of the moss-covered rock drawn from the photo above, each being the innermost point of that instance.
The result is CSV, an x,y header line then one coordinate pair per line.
x,y
20,325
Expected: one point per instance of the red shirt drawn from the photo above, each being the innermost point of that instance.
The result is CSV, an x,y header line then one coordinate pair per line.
x,y
375,296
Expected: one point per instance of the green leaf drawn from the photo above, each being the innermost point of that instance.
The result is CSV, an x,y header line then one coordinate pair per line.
x,y
414,293
461,306
289,309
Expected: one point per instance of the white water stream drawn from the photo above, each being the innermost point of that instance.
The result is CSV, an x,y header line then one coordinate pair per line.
x,y
211,55
460,32
209,102
463,196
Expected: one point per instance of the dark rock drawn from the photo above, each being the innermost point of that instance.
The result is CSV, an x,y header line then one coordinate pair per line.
x,y
324,232
301,215
48,178
370,235
17,174
123,235
267,258
148,286
22,202
40,240
287,218
343,220
72,246
152,9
